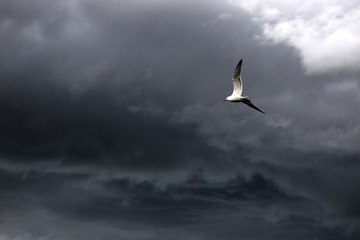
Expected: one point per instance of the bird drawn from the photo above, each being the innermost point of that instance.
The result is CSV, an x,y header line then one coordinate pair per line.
x,y
238,88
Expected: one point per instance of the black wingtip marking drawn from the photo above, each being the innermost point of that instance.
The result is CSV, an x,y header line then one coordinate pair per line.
x,y
250,104
238,69
239,63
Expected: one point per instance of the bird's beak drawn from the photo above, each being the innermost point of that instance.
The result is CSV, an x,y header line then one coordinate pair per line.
x,y
224,100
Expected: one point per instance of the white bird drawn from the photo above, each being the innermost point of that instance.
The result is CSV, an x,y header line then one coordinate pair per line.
x,y
238,87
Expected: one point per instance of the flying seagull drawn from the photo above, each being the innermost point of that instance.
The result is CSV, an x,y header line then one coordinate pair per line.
x,y
238,87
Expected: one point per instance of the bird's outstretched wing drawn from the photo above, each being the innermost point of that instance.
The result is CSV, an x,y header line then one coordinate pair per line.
x,y
238,87
249,103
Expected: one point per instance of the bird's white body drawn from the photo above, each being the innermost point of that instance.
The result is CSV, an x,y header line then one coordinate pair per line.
x,y
236,98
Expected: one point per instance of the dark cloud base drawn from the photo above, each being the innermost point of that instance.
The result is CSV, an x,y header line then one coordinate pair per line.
x,y
237,207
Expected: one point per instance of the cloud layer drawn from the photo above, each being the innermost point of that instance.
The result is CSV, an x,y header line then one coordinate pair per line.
x,y
113,123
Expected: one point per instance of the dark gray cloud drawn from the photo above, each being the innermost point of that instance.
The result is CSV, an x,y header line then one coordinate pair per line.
x,y
112,125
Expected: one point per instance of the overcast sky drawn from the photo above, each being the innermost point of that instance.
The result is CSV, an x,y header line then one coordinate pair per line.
x,y
113,124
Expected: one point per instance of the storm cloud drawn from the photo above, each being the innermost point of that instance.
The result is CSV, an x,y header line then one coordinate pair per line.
x,y
113,125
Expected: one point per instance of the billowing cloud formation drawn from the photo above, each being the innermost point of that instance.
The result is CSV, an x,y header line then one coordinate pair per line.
x,y
326,34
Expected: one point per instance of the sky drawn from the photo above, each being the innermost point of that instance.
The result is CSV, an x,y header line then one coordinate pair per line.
x,y
113,124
